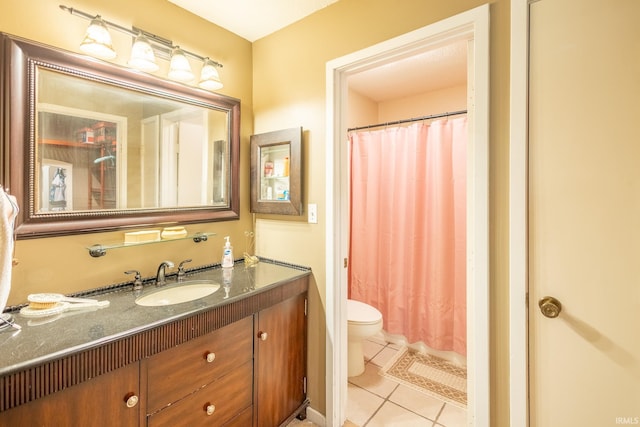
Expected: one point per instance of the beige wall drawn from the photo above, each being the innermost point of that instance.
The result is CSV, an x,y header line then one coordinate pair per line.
x,y
289,90
363,111
424,104
63,264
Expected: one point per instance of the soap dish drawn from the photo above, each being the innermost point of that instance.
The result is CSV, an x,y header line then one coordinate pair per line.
x,y
169,233
143,236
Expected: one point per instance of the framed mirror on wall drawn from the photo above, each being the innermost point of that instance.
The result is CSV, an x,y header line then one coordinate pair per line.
x,y
93,146
276,173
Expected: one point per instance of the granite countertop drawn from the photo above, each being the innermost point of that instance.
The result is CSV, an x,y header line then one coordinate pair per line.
x,y
42,339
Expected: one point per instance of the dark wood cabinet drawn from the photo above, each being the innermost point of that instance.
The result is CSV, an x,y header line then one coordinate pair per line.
x,y
213,405
205,380
112,399
280,352
238,365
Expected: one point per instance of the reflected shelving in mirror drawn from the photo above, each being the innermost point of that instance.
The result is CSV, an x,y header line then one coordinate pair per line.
x,y
99,250
276,172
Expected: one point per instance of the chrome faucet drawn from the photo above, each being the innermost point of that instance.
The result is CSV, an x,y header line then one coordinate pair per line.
x,y
160,276
181,272
137,283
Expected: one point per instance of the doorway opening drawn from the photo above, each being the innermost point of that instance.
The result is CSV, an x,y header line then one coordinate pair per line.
x,y
471,26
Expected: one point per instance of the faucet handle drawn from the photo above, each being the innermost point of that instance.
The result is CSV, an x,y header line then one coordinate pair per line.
x,y
181,272
137,283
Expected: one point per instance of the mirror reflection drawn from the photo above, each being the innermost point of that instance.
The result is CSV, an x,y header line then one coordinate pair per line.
x,y
103,147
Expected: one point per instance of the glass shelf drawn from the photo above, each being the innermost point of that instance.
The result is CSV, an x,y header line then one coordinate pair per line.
x,y
99,250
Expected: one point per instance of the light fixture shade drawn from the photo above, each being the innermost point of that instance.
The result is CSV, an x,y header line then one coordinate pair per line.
x,y
179,69
209,77
97,40
142,56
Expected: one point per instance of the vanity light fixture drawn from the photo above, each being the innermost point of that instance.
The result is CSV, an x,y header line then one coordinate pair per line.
x,y
145,47
142,56
180,69
209,77
97,40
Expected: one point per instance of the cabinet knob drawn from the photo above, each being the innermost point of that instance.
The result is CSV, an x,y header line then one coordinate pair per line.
x,y
210,409
263,336
132,400
211,357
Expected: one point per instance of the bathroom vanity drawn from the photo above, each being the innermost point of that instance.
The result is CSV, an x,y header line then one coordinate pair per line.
x,y
234,358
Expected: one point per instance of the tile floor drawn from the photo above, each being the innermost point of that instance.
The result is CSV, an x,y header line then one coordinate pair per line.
x,y
376,401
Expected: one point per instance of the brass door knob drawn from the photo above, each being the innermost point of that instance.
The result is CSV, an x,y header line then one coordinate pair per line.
x,y
550,307
263,336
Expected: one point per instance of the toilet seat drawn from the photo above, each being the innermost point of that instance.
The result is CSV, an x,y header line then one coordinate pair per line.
x,y
361,313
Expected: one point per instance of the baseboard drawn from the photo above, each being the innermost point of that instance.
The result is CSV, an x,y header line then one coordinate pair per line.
x,y
316,417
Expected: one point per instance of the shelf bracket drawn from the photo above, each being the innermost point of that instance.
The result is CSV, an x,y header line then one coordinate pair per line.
x,y
97,251
199,237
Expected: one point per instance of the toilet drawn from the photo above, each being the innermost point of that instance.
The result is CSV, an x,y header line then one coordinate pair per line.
x,y
363,321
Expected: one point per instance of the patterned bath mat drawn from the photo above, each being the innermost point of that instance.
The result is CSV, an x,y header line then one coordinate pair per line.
x,y
429,374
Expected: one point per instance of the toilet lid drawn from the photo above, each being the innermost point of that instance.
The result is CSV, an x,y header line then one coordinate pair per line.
x,y
362,313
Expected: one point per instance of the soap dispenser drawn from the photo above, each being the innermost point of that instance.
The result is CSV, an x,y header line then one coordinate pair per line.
x,y
227,254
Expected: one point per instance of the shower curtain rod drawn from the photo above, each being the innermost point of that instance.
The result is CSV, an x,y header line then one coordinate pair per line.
x,y
415,119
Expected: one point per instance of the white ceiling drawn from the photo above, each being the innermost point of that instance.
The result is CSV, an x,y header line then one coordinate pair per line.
x,y
254,19
436,69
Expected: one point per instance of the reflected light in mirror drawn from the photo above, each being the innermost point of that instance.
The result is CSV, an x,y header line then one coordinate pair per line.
x,y
97,40
142,56
180,69
209,77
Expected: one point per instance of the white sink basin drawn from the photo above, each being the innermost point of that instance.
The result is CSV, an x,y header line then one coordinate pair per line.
x,y
188,291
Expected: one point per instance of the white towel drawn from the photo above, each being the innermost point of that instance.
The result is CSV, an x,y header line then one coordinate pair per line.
x,y
8,213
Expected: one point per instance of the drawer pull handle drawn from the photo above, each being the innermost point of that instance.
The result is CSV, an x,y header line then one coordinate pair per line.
x,y
211,357
263,336
211,409
132,400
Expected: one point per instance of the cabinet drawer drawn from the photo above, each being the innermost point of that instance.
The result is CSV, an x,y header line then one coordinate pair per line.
x,y
212,405
244,419
179,371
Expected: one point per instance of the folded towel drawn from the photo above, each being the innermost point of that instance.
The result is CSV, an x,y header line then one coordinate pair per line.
x,y
8,213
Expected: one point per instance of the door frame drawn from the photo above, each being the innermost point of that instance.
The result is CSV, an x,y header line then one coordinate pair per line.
x,y
472,25
518,218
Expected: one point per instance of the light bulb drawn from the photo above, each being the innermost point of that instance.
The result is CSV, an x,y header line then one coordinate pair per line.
x,y
209,77
179,69
142,56
97,40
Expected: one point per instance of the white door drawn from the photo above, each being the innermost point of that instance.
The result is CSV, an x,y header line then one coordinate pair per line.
x,y
150,162
192,165
584,212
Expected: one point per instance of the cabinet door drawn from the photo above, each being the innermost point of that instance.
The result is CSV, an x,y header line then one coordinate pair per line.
x,y
108,400
281,360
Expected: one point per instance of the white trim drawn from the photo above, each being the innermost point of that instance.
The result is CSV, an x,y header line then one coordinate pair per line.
x,y
518,331
472,25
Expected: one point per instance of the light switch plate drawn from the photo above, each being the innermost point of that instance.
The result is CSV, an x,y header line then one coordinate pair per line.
x,y
312,213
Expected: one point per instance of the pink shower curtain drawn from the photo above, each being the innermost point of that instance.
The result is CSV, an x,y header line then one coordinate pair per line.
x,y
408,229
